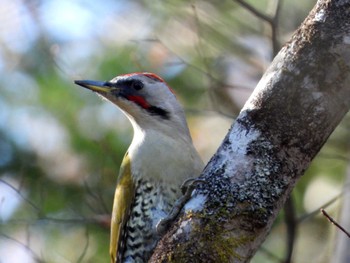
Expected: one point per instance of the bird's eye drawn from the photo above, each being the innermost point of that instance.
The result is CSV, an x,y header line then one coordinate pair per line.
x,y
137,85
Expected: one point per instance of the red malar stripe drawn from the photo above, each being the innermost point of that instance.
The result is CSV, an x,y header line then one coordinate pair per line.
x,y
139,100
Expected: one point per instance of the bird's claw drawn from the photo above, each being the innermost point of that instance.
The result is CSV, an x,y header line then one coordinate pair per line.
x,y
186,188
189,185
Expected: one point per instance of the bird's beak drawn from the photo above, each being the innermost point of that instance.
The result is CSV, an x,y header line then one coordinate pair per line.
x,y
97,86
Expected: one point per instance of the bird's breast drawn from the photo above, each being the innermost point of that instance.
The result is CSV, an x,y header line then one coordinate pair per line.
x,y
164,159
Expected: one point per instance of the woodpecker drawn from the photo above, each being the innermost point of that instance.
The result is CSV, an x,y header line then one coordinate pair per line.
x,y
159,159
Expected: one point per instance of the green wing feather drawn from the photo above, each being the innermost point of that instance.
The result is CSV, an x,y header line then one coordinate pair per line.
x,y
123,198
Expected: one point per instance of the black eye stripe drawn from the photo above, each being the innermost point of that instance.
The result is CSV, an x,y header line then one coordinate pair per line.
x,y
130,83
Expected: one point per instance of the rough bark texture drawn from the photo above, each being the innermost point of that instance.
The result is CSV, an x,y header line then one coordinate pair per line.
x,y
298,103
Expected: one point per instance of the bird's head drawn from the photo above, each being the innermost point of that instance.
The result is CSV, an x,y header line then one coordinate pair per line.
x,y
145,98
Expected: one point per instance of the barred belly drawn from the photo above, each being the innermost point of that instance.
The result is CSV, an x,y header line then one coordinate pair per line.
x,y
153,201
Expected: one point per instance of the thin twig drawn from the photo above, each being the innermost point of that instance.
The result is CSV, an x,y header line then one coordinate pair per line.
x,y
33,205
274,29
255,11
26,247
315,212
330,219
333,156
292,226
271,20
100,220
84,252
270,254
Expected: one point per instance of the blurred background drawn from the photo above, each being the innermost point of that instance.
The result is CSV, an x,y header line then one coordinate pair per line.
x,y
61,146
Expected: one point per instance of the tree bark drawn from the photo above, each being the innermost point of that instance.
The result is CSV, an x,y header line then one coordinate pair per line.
x,y
299,101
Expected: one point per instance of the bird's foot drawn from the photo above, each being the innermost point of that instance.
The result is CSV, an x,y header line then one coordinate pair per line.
x,y
188,185
186,188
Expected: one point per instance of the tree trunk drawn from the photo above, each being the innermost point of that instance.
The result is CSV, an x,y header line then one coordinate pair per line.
x,y
297,104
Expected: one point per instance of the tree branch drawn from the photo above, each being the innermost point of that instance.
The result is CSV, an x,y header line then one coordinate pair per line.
x,y
330,219
271,20
297,104
255,11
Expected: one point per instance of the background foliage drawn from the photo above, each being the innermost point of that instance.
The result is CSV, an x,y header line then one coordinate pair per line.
x,y
61,146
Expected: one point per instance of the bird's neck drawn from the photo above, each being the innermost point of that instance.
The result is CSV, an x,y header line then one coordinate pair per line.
x,y
150,140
